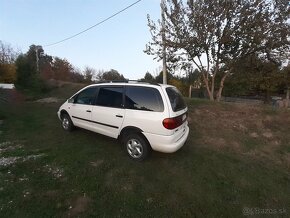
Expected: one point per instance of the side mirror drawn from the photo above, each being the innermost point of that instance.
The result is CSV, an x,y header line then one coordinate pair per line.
x,y
71,100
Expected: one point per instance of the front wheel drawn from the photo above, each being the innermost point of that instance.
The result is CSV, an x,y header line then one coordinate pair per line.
x,y
137,147
66,122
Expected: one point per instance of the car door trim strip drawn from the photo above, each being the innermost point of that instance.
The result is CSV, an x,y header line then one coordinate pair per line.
x,y
104,124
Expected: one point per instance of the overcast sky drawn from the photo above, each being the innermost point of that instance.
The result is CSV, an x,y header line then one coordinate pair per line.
x,y
116,44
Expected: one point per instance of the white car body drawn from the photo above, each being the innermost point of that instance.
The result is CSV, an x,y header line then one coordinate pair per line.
x,y
112,121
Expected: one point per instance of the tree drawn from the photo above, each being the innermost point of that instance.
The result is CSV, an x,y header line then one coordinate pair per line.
x,y
77,76
148,78
89,73
212,35
286,82
7,73
28,70
183,88
159,77
62,69
26,73
7,66
7,53
110,76
263,75
45,67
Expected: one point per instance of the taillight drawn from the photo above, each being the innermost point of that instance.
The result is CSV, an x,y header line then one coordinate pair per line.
x,y
172,123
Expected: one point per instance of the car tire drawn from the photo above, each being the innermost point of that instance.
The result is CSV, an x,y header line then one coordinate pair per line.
x,y
66,123
137,147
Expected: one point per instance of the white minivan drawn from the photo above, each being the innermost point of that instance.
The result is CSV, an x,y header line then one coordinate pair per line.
x,y
143,116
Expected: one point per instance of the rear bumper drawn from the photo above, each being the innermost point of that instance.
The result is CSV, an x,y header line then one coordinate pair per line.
x,y
167,144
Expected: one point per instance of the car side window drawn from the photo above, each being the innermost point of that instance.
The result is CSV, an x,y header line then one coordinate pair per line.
x,y
86,96
143,98
110,97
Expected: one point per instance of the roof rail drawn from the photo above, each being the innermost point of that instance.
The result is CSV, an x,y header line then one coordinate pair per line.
x,y
112,81
145,82
126,81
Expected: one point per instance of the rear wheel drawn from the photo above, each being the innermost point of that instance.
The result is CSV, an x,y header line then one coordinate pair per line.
x,y
137,146
67,124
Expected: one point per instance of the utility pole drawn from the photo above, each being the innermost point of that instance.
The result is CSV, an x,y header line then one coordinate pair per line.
x,y
38,54
37,59
163,42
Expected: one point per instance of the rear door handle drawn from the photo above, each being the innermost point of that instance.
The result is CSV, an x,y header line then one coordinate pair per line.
x,y
89,111
120,116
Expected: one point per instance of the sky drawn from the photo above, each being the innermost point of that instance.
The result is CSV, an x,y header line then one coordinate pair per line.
x,y
116,44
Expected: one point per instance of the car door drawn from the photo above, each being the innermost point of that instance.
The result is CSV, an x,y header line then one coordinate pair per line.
x,y
108,112
81,109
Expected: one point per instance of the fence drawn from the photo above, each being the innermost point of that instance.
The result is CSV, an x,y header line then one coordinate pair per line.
x,y
243,100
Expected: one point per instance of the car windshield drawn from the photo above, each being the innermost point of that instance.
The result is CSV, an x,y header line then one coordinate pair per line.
x,y
176,100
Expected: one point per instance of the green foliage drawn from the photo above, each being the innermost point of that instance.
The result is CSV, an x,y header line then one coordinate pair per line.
x,y
148,78
222,32
45,67
286,77
112,75
159,77
183,88
254,76
62,69
35,68
28,78
182,83
26,72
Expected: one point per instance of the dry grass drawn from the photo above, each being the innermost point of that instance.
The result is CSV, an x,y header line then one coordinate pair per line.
x,y
257,131
79,206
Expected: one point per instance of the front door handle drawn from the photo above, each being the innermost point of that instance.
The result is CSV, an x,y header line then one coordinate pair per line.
x,y
120,116
89,111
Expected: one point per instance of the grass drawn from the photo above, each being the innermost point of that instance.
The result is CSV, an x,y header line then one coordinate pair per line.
x,y
220,171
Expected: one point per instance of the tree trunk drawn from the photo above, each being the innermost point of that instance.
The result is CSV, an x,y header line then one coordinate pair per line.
x,y
212,85
210,94
287,97
219,93
267,99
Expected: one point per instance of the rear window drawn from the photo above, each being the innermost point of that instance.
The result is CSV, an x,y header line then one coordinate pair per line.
x,y
176,100
143,98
